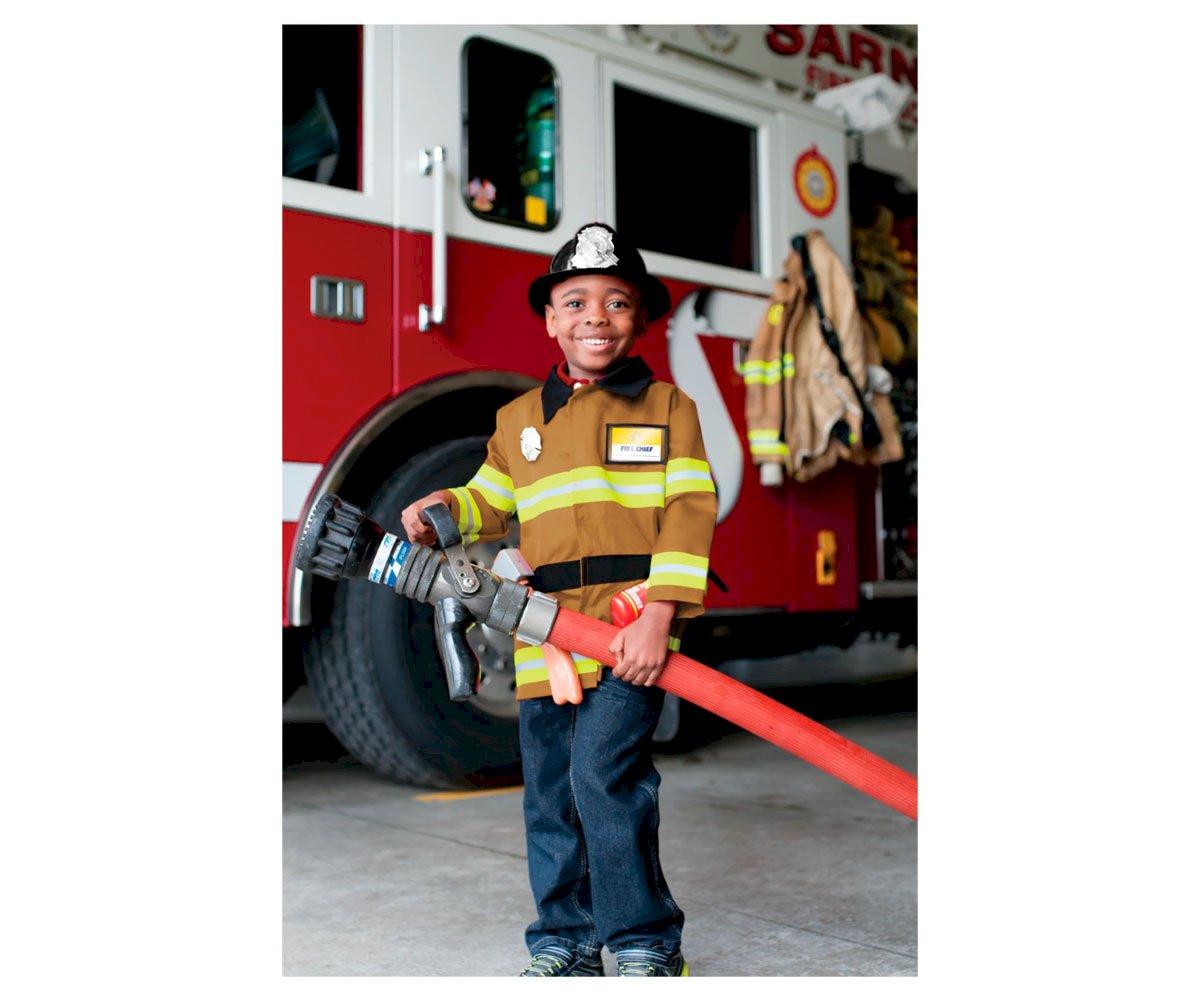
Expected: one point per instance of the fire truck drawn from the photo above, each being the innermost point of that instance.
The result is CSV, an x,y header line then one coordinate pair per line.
x,y
429,173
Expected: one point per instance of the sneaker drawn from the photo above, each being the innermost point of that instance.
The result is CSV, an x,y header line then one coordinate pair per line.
x,y
647,962
556,961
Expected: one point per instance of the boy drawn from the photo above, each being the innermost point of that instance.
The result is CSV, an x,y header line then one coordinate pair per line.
x,y
606,470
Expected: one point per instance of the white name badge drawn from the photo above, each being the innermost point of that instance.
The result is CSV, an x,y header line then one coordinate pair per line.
x,y
636,443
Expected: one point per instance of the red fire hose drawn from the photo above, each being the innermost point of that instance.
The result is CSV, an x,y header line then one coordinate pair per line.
x,y
755,712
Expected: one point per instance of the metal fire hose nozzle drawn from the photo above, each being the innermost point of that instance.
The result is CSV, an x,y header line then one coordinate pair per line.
x,y
339,542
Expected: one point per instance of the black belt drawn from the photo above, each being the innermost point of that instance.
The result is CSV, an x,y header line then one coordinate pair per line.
x,y
588,570
596,569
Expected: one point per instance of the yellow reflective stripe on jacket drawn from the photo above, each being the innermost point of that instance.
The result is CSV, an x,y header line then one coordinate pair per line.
x,y
589,484
678,569
766,443
689,475
769,372
531,665
469,518
495,487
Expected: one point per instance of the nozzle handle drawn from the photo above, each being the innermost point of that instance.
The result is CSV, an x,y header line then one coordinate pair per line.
x,y
450,541
438,517
450,623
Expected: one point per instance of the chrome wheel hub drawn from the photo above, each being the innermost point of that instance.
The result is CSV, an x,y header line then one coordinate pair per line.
x,y
498,678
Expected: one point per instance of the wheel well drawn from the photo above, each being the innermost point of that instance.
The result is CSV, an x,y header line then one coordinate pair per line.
x,y
457,413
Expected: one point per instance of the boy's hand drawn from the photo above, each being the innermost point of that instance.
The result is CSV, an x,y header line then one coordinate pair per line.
x,y
416,529
641,646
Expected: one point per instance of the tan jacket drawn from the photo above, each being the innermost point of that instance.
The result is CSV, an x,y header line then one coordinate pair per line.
x,y
613,468
795,393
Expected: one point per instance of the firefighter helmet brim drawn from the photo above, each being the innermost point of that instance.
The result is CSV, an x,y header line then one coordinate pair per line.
x,y
597,249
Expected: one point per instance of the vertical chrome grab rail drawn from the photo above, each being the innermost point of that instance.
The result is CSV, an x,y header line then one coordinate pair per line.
x,y
433,161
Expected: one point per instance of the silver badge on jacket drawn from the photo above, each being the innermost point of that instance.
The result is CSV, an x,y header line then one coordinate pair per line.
x,y
531,443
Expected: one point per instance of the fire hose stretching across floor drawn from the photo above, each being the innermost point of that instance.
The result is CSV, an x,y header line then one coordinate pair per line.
x,y
340,542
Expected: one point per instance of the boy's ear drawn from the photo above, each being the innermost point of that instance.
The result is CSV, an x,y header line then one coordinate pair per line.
x,y
551,322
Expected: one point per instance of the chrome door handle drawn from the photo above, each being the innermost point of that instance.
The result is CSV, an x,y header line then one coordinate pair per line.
x,y
433,161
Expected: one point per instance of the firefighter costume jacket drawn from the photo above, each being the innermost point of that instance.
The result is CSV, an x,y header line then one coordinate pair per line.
x,y
795,393
615,467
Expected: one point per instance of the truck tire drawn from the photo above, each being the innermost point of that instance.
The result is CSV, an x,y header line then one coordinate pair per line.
x,y
374,669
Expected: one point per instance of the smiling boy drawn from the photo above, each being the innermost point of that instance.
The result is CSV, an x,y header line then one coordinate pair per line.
x,y
606,470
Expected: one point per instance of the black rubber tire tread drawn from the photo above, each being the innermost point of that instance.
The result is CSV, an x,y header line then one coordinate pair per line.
x,y
391,711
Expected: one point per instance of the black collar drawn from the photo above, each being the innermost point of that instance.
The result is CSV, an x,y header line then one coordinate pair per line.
x,y
628,378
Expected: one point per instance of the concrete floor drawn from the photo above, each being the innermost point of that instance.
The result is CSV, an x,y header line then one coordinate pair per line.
x,y
780,869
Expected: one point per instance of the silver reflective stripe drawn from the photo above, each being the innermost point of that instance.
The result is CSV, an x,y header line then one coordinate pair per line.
x,y
636,489
531,665
674,477
298,480
541,662
495,487
466,507
679,568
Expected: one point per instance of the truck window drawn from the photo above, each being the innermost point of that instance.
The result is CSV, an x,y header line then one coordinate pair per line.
x,y
510,135
685,181
322,104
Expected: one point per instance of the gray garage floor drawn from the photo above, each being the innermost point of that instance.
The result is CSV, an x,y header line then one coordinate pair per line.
x,y
780,869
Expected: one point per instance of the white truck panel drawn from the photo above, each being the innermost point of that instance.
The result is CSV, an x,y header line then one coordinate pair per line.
x,y
412,100
798,136
429,99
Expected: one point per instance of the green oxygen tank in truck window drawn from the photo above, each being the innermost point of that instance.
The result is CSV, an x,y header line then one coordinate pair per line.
x,y
537,171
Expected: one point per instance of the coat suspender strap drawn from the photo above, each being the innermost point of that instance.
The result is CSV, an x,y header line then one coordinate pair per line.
x,y
870,428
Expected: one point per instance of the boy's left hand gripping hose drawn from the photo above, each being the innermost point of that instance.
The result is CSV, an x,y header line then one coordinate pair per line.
x,y
339,542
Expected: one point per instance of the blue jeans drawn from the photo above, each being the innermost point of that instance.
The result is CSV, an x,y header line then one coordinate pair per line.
x,y
591,822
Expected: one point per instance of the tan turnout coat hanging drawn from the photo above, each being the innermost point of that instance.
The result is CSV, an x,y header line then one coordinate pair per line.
x,y
795,393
